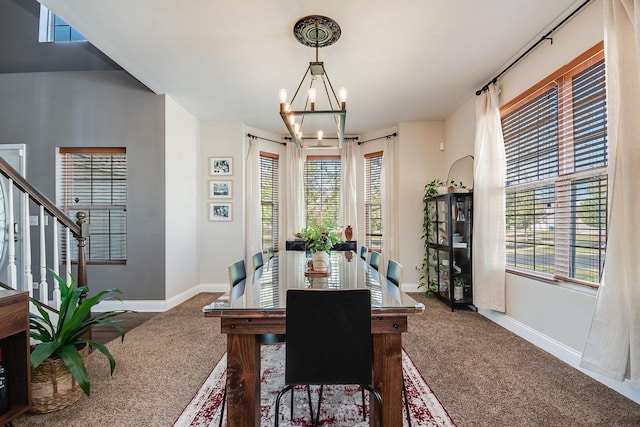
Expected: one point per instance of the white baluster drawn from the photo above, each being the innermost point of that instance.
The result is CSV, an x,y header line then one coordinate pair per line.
x,y
44,286
26,237
11,268
56,264
68,254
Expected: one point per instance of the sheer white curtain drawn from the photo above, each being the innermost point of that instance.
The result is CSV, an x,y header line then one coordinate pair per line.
x,y
253,241
489,204
293,194
348,201
389,203
613,343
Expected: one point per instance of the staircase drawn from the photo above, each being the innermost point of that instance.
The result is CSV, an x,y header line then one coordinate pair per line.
x,y
62,231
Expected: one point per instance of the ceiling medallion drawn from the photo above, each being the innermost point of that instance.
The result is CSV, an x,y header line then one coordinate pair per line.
x,y
316,31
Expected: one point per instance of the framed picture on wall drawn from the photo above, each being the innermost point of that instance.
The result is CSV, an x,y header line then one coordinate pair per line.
x,y
220,189
219,211
220,166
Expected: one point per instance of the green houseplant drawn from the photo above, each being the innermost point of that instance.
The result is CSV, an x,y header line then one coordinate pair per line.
x,y
319,239
65,339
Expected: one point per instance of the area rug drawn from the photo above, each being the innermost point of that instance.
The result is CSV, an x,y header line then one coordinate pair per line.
x,y
341,405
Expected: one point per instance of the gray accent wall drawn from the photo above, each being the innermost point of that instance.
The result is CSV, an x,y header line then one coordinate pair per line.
x,y
20,50
98,109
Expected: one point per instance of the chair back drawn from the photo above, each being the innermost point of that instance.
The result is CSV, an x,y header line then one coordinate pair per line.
x,y
271,252
258,260
328,336
237,273
363,252
394,272
374,260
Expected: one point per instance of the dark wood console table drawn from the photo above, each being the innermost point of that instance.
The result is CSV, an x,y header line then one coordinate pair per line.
x,y
14,342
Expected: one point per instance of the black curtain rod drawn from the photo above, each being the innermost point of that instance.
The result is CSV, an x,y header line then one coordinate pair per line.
x,y
266,139
380,137
542,39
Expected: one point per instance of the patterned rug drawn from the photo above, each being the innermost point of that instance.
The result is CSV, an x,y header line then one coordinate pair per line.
x,y
341,405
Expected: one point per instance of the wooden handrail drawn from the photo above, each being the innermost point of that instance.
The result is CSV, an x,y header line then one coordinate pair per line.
x,y
79,228
18,180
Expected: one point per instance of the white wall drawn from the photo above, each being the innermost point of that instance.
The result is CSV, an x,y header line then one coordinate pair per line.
x,y
555,317
220,243
182,143
419,161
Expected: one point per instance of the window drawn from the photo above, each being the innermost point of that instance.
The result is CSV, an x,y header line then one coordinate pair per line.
x,y
322,188
269,199
373,201
556,190
55,29
94,180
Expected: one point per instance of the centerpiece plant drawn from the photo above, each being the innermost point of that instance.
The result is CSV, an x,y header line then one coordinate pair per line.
x,y
67,338
319,238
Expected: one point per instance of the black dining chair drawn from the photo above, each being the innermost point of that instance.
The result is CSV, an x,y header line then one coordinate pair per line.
x,y
374,260
363,252
394,275
329,342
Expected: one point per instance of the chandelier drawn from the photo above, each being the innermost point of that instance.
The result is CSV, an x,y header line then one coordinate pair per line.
x,y
321,110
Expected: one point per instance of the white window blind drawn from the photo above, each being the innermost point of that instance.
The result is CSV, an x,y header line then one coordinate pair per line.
x,y
94,181
269,185
556,184
322,189
373,201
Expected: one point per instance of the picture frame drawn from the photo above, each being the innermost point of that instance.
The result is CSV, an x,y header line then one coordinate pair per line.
x,y
220,166
220,189
219,211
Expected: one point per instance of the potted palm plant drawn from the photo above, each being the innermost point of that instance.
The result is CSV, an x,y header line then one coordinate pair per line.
x,y
319,239
58,359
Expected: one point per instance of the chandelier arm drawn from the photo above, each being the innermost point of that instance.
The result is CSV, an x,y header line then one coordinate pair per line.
x,y
332,91
300,85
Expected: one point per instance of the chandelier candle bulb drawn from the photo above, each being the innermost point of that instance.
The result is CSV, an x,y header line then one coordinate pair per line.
x,y
283,96
320,135
342,92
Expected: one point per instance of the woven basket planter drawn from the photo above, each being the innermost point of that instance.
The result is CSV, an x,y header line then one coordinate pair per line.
x,y
52,386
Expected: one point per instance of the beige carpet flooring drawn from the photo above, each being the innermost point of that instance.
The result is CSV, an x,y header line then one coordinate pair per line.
x,y
483,374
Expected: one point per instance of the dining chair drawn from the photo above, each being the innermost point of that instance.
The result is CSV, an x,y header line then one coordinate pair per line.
x,y
394,275
394,272
363,252
374,260
237,272
271,252
258,260
329,342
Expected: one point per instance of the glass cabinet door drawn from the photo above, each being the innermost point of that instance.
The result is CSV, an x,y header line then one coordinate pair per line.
x,y
443,271
443,222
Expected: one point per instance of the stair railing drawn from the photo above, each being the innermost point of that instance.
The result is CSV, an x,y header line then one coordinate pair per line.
x,y
78,230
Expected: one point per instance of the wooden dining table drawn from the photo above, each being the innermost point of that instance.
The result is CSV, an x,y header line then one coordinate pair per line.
x,y
257,306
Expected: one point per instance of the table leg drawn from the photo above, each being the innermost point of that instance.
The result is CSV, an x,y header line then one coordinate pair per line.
x,y
243,380
387,377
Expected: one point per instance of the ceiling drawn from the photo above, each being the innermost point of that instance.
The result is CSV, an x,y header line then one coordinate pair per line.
x,y
401,61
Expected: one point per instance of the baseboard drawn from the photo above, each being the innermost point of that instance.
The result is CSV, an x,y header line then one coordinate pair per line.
x,y
411,287
161,305
559,350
